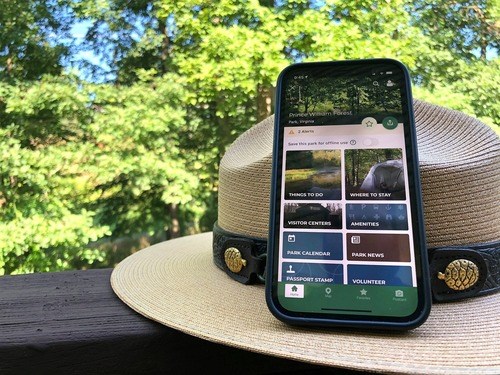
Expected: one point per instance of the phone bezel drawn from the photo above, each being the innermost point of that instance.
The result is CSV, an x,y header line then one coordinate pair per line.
x,y
421,264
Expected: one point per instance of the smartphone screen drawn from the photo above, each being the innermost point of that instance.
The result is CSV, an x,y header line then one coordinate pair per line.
x,y
346,237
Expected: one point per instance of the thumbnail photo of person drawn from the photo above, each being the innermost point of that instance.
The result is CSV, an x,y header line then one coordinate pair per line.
x,y
313,175
376,174
313,215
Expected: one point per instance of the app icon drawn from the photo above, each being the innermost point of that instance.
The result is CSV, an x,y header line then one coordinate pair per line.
x,y
355,240
291,238
294,290
390,122
399,293
369,122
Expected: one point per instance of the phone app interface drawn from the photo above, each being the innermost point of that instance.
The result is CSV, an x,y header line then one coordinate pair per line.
x,y
346,241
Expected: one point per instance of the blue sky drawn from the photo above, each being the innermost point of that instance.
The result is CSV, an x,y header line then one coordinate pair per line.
x,y
78,31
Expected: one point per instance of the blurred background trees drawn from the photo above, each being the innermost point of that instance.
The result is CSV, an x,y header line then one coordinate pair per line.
x,y
117,135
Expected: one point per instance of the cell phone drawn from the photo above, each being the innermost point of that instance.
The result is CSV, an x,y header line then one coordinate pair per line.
x,y
346,243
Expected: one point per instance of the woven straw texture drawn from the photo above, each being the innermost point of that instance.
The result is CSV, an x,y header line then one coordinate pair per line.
x,y
459,167
177,284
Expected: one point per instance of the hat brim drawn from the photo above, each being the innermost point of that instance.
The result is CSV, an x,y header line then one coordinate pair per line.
x,y
177,284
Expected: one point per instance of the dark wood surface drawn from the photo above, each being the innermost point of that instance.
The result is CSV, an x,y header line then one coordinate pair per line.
x,y
73,323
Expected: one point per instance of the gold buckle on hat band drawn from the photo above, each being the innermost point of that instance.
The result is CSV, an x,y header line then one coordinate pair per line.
x,y
460,274
242,258
234,260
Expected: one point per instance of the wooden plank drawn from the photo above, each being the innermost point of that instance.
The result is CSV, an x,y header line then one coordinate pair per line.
x,y
72,322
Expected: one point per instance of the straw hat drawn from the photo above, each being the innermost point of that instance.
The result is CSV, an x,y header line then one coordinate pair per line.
x,y
178,284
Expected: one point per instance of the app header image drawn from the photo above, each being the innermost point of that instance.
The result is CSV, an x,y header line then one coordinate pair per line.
x,y
313,175
376,174
313,215
333,95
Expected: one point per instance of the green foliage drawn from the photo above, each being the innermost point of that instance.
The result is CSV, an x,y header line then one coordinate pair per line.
x,y
473,91
139,168
462,27
42,191
82,161
27,47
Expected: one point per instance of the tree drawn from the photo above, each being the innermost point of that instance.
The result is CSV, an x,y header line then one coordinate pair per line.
x,y
28,48
140,152
468,29
83,161
43,192
143,180
127,36
459,66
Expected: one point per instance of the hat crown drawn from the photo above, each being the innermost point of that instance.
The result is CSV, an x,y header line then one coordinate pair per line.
x,y
459,167
178,284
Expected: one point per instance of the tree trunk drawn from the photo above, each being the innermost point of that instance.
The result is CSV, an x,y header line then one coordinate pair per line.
x,y
264,102
164,44
174,230
10,66
224,136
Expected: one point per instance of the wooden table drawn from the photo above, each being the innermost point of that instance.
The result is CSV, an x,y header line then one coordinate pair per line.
x,y
73,323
